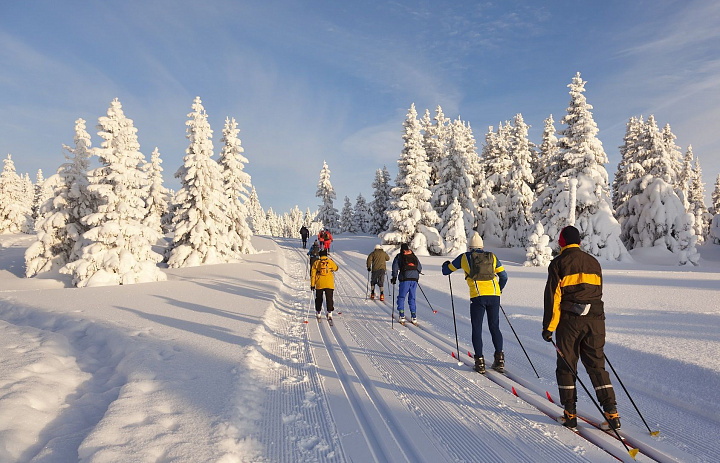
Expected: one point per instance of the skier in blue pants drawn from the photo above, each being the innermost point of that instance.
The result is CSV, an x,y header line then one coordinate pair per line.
x,y
406,267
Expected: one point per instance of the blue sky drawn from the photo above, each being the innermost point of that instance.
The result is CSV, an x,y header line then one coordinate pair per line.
x,y
327,80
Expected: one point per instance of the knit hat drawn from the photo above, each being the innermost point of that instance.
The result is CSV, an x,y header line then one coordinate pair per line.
x,y
476,242
569,235
377,246
404,247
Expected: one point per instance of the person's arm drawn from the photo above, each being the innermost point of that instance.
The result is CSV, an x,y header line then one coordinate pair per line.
x,y
368,262
395,268
551,314
449,267
500,272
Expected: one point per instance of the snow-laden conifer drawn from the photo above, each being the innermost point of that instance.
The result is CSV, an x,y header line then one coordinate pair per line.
x,y
200,223
59,225
347,225
256,215
361,215
158,196
235,184
715,197
696,199
327,214
686,176
308,218
550,167
520,196
412,217
496,160
453,232
714,231
629,167
15,215
458,170
382,188
116,248
674,154
539,252
584,159
435,140
489,223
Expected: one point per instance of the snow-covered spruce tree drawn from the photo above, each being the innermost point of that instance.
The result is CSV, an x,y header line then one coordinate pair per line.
x,y
628,168
489,223
412,217
685,176
201,223
435,141
362,221
715,197
235,183
696,199
256,215
714,231
327,214
274,223
584,159
308,218
59,225
116,248
454,231
520,196
539,252
548,172
346,217
496,160
382,188
157,195
457,172
293,222
657,216
15,215
674,154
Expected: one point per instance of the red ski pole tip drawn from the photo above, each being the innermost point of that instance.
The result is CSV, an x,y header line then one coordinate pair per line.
x,y
453,354
548,396
469,354
514,392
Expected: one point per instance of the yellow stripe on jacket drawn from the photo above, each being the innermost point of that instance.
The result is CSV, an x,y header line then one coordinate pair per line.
x,y
323,281
570,280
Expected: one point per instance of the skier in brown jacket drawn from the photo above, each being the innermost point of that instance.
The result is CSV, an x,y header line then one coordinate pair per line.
x,y
574,310
376,264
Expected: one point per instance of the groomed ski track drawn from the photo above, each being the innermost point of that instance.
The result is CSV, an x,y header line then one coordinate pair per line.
x,y
396,395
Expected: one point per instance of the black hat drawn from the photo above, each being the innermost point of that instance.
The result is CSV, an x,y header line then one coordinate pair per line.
x,y
569,235
323,252
404,247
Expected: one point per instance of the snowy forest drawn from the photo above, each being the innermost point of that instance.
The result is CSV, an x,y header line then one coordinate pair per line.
x,y
98,217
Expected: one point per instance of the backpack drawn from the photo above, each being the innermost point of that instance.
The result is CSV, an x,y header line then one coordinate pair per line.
x,y
323,267
408,262
482,266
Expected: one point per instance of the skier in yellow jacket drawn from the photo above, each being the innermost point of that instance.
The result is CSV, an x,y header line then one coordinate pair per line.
x,y
322,281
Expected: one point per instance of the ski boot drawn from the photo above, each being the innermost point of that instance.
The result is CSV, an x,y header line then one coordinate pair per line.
x,y
402,317
382,297
612,421
413,319
372,296
318,314
499,363
480,364
569,417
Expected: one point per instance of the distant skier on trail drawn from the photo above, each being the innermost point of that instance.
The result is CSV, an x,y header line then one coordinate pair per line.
x,y
575,311
376,264
304,234
486,278
406,267
314,252
322,281
325,239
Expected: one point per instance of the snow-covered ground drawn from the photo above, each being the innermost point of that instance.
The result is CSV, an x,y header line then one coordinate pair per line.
x,y
216,364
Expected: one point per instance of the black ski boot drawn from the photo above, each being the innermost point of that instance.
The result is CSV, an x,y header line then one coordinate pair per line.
x,y
480,364
569,417
612,420
499,363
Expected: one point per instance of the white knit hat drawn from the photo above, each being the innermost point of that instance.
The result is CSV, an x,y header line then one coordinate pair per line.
x,y
377,246
476,242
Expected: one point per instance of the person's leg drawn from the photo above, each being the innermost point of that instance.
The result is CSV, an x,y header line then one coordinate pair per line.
x,y
318,300
403,289
593,358
411,298
329,299
493,316
477,312
566,337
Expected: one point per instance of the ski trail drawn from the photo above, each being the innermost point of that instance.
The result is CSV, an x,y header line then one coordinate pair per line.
x,y
432,406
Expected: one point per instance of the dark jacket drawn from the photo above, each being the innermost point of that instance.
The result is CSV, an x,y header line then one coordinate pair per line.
x,y
376,260
304,232
574,281
405,275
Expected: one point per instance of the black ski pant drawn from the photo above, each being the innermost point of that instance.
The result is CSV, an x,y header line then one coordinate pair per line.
x,y
579,337
304,240
328,299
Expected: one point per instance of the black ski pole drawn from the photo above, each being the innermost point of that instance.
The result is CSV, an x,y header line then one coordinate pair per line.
x,y
452,303
632,452
367,287
518,340
652,433
426,298
392,322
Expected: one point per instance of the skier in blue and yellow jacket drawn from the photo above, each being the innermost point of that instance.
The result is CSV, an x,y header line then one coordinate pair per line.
x,y
484,297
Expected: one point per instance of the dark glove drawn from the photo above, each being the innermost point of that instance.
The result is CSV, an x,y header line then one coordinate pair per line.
x,y
547,335
393,281
368,270
312,288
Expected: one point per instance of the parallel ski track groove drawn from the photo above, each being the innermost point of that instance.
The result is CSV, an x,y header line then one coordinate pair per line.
x,y
455,437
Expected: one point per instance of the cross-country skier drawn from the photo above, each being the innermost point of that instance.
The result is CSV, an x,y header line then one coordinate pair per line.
x,y
314,253
406,267
574,310
322,281
486,278
304,234
376,264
